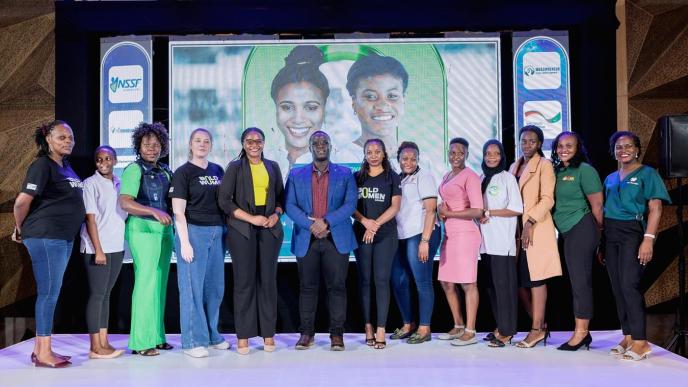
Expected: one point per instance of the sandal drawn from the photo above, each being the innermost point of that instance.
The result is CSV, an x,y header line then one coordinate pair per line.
x,y
146,352
618,350
498,343
164,346
452,336
631,355
530,344
459,342
369,340
489,337
380,344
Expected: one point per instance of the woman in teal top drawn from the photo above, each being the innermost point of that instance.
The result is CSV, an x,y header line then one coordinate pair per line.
x,y
578,217
633,207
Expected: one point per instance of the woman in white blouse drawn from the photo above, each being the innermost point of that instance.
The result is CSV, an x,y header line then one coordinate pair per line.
x,y
503,205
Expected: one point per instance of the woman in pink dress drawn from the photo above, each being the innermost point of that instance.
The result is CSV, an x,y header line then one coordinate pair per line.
x,y
462,203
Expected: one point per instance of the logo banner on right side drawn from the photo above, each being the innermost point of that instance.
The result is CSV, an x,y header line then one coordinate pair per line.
x,y
542,95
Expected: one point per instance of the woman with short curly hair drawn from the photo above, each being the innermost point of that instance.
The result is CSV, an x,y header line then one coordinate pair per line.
x,y
143,194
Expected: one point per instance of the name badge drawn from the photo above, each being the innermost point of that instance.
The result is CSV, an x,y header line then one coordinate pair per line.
x,y
568,178
633,180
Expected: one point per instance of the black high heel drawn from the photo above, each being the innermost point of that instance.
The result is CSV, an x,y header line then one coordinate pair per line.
x,y
587,340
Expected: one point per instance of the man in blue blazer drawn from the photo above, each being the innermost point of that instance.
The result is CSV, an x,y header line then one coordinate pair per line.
x,y
320,199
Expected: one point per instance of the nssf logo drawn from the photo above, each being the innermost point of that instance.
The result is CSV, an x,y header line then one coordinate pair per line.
x,y
117,83
126,84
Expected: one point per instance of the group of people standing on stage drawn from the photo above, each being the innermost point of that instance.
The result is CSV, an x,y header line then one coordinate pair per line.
x,y
506,216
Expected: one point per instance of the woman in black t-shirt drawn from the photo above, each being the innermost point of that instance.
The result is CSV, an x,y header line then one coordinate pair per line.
x,y
199,247
379,199
48,213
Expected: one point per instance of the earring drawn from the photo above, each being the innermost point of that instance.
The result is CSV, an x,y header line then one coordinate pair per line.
x,y
636,155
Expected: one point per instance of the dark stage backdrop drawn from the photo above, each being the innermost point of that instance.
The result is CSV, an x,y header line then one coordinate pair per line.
x,y
80,25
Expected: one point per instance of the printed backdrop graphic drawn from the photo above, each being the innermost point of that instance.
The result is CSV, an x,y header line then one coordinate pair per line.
x,y
541,84
428,92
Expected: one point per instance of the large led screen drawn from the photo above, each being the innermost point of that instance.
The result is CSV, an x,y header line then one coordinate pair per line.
x,y
428,91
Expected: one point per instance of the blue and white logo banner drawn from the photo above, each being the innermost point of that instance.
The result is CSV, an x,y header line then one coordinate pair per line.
x,y
541,84
125,92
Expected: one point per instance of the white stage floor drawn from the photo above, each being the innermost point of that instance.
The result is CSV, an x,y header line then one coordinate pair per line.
x,y
435,363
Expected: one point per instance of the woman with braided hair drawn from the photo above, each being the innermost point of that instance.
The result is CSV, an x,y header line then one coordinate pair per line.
x,y
48,213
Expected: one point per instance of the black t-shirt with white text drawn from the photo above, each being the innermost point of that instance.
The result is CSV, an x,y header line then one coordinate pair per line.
x,y
198,187
374,198
57,209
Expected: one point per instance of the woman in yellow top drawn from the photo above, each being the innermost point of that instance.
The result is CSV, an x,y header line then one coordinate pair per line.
x,y
251,196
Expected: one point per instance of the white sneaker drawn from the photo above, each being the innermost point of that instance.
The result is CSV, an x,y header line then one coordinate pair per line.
x,y
197,352
222,345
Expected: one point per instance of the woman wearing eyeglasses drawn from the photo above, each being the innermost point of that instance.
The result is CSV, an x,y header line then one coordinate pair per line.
x,y
633,207
251,196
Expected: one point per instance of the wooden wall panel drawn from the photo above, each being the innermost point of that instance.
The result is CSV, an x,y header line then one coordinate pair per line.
x,y
655,48
27,99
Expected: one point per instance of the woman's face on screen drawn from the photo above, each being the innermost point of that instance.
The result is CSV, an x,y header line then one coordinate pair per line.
x,y
379,103
300,112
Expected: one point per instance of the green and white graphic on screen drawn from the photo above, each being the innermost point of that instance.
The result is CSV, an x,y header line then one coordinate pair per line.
x,y
426,91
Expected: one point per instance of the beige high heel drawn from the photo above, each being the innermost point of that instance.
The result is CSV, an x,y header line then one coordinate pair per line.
x,y
525,344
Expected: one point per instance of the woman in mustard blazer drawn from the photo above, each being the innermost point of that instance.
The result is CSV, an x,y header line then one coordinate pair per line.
x,y
538,256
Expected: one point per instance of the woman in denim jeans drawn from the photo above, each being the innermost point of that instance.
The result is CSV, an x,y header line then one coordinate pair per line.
x,y
419,237
143,194
198,244
48,213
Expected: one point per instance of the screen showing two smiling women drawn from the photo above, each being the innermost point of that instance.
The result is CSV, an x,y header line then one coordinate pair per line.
x,y
401,90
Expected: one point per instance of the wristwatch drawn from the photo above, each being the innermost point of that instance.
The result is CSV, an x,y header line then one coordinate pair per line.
x,y
486,213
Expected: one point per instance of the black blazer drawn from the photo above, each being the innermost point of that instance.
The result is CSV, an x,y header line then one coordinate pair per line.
x,y
236,191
